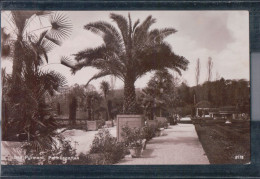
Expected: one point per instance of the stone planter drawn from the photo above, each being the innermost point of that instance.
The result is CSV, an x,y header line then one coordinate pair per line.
x,y
161,119
109,124
131,120
136,152
151,122
94,125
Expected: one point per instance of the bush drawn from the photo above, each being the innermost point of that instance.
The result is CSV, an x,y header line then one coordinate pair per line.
x,y
107,147
133,137
149,132
172,120
62,148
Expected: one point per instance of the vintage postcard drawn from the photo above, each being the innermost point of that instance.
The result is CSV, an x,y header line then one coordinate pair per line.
x,y
125,87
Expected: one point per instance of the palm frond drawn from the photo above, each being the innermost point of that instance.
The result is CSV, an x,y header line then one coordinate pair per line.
x,y
122,24
158,57
61,26
157,35
141,32
110,35
55,41
47,45
53,80
66,61
136,24
91,54
104,86
98,75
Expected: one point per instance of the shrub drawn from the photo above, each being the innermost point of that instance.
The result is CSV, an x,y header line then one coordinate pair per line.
x,y
172,120
107,147
133,137
149,132
62,148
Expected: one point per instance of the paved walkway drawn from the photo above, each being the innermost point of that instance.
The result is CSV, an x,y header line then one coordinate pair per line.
x,y
178,145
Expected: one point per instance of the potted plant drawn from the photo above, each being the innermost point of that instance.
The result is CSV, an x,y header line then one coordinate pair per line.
x,y
133,138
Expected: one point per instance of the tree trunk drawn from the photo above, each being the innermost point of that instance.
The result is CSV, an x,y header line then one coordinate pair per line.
x,y
108,116
73,110
15,91
130,106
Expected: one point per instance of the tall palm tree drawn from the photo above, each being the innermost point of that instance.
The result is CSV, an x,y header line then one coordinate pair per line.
x,y
128,53
105,87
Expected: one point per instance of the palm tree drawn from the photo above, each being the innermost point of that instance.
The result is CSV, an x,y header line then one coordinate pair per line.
x,y
128,53
27,46
93,100
105,87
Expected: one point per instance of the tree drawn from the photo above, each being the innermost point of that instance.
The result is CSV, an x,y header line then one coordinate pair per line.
x,y
197,72
159,88
128,54
105,87
58,108
73,110
93,101
161,91
25,46
28,50
209,68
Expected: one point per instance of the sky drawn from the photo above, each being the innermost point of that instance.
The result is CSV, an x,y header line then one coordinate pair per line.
x,y
221,35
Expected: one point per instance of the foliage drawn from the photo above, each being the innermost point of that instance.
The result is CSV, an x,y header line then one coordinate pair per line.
x,y
223,92
73,110
128,53
173,120
160,93
149,132
105,87
31,116
62,148
28,49
133,137
107,146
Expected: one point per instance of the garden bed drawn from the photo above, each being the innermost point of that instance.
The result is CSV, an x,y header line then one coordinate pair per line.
x,y
225,144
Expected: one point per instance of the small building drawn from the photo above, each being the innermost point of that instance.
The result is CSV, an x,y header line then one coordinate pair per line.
x,y
204,108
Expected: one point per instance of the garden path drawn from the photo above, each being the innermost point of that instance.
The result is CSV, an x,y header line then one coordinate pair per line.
x,y
178,144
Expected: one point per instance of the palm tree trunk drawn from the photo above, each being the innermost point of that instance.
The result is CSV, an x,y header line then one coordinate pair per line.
x,y
16,73
108,116
129,97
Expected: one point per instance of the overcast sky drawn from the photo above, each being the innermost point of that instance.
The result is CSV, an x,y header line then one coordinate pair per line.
x,y
221,35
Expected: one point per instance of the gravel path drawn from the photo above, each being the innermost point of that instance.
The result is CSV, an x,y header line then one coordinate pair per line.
x,y
178,145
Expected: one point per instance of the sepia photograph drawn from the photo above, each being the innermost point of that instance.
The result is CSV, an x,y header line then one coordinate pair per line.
x,y
125,87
